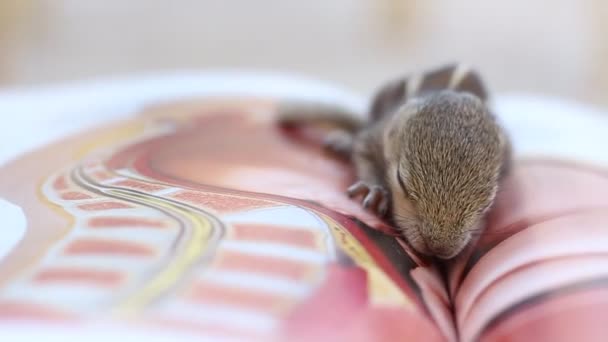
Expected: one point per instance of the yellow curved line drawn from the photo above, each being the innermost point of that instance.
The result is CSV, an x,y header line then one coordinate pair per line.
x,y
42,249
113,137
197,243
129,130
383,291
55,207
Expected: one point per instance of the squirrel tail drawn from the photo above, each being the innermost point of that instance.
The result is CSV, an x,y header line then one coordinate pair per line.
x,y
295,113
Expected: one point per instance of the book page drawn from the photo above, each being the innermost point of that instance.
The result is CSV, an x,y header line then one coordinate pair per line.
x,y
541,270
203,217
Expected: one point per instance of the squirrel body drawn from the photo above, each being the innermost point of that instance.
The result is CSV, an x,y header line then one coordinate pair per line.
x,y
430,155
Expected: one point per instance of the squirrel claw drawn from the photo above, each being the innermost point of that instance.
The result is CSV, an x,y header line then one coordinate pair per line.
x,y
375,197
383,206
356,189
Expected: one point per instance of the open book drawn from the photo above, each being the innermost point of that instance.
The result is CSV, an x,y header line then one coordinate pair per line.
x,y
201,219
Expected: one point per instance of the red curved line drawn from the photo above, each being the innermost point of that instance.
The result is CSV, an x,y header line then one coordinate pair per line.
x,y
109,222
79,275
106,205
12,310
521,267
107,247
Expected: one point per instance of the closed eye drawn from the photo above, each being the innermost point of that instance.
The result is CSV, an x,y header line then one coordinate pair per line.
x,y
401,183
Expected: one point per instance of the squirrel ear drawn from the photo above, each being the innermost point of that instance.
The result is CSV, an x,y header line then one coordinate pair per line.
x,y
472,83
456,77
387,98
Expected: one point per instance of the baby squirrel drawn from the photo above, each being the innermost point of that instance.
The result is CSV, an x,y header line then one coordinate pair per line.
x,y
431,155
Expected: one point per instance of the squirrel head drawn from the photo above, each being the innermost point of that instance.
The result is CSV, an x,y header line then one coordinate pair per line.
x,y
449,151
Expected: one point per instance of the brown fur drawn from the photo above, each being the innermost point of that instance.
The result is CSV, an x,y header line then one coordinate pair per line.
x,y
450,158
432,156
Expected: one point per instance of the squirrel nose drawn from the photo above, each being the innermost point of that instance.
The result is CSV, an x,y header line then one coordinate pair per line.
x,y
440,250
446,256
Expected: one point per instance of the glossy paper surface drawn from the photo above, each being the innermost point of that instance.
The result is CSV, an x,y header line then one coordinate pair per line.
x,y
203,217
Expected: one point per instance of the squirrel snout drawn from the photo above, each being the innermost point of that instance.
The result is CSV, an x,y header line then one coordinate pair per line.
x,y
445,248
442,251
429,240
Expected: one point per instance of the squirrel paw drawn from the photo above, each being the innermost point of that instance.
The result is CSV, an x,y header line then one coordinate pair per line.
x,y
339,142
375,197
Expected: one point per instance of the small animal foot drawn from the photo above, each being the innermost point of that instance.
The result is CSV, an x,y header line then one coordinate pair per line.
x,y
374,196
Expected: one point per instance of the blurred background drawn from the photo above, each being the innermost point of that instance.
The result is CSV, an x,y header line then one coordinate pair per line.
x,y
548,47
